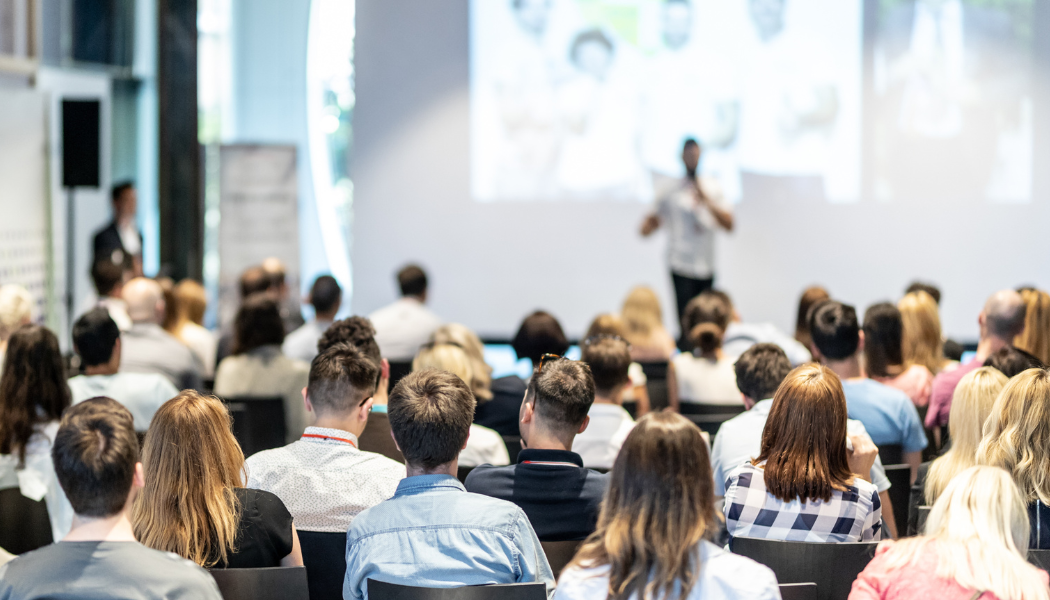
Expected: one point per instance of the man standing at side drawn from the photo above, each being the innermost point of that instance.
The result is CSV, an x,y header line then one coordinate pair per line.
x,y
326,297
405,325
147,348
120,242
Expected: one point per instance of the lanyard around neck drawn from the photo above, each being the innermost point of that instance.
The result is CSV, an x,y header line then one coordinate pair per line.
x,y
328,437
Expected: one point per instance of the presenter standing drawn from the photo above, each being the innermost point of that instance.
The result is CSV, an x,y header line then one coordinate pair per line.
x,y
693,210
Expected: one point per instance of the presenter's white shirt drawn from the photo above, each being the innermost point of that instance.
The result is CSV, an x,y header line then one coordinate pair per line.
x,y
599,444
706,381
402,327
691,227
140,393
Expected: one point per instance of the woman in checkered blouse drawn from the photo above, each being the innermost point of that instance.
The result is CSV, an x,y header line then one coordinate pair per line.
x,y
809,483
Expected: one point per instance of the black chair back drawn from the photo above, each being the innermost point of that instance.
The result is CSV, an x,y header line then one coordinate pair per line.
x,y
656,384
398,370
463,472
324,555
924,513
258,423
513,443
833,567
24,523
900,489
798,591
709,417
559,554
380,590
270,583
1039,558
891,454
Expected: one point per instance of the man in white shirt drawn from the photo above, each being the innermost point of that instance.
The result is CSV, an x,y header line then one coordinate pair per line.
x,y
323,478
96,339
405,325
692,211
326,297
609,359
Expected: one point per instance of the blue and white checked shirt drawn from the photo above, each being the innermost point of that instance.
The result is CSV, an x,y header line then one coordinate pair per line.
x,y
751,511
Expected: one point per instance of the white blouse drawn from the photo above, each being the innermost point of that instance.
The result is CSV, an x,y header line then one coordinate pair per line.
x,y
37,479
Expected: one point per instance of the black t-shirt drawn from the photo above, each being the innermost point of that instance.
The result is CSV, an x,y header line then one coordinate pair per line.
x,y
561,500
264,534
501,412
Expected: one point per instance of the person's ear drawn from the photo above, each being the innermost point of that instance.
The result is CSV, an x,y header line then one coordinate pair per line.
x,y
465,442
139,480
860,341
306,401
748,402
115,356
528,411
384,369
364,410
395,440
583,426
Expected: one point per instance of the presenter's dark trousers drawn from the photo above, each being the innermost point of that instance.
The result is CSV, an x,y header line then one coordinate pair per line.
x,y
685,289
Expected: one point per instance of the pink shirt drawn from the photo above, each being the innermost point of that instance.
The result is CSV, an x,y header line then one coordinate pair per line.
x,y
916,382
943,388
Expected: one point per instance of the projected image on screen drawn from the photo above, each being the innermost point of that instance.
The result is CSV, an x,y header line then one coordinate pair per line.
x,y
592,99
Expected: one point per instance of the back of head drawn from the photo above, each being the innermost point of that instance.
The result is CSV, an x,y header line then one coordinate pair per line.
x,y
95,336
921,341
1004,315
1036,335
1013,361
804,440
540,333
170,320
32,386
95,453
1017,434
835,331
412,281
609,359
705,320
192,464
254,280
16,309
106,275
258,323
641,312
883,345
659,505
606,324
325,295
190,301
929,288
562,392
145,300
430,414
760,370
810,298
342,378
460,335
356,331
276,272
444,357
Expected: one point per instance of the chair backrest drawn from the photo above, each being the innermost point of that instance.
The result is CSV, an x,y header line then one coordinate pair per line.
x,y
258,422
513,443
398,370
559,554
924,513
833,567
463,472
324,555
709,417
656,384
798,591
380,590
900,490
891,454
270,583
1039,558
24,523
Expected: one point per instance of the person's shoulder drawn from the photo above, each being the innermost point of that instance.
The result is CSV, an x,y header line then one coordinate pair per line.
x,y
265,504
383,466
489,479
736,575
581,583
144,381
267,460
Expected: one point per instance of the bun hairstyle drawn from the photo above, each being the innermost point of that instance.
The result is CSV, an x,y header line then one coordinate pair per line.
x,y
706,318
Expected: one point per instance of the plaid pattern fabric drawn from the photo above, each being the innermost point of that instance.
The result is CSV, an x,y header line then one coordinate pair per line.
x,y
751,511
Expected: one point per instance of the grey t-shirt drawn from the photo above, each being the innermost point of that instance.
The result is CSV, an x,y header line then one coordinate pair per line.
x,y
104,570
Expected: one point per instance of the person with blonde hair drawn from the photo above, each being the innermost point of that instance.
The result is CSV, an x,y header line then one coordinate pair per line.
x,y
1036,335
921,339
194,502
652,539
16,310
1017,438
974,546
190,303
644,326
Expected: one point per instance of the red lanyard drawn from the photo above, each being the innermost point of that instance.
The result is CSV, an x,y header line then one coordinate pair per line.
x,y
328,437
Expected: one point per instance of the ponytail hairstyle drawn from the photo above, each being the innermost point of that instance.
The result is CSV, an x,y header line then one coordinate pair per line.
x,y
705,321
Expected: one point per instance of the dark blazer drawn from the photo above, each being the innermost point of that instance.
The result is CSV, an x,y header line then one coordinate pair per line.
x,y
107,240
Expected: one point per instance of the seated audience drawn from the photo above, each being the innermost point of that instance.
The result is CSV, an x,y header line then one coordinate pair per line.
x,y
1001,320
96,459
705,376
805,485
146,347
254,280
258,369
759,372
1012,361
884,359
643,322
190,303
194,502
653,533
109,278
287,303
323,478
405,325
971,404
550,483
1036,335
16,310
484,446
33,395
1017,438
326,297
740,336
974,547
433,533
888,414
609,360
810,298
96,339
610,325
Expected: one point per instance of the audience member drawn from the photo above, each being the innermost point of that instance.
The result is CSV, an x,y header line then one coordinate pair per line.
x,y
921,341
609,359
610,325
1036,335
806,484
326,297
1017,438
254,280
96,459
654,527
484,446
171,317
1013,361
405,325
929,288
323,478
16,310
191,301
884,358
433,533
974,545
257,369
810,298
146,347
888,414
287,303
644,324
33,395
109,279
1001,320
740,336
540,333
952,351
705,376
96,339
120,242
194,503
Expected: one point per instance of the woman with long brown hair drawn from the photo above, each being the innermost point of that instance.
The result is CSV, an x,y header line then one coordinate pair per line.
x,y
884,357
653,530
194,502
808,473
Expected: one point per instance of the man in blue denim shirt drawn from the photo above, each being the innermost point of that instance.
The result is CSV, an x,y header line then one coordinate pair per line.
x,y
433,533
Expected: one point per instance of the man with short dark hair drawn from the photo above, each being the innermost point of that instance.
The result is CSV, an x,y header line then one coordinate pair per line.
x,y
96,339
108,278
433,533
609,359
405,325
550,483
96,456
326,297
